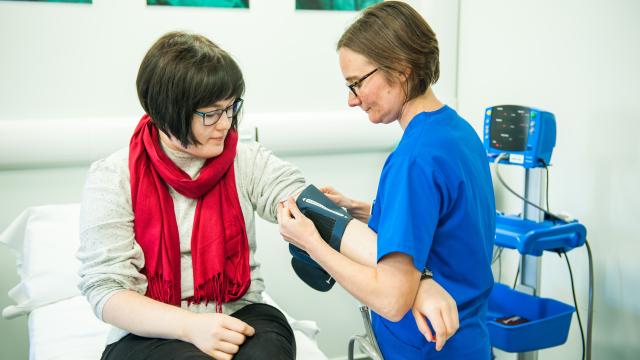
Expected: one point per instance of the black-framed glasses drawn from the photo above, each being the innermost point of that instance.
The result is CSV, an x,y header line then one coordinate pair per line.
x,y
212,117
356,84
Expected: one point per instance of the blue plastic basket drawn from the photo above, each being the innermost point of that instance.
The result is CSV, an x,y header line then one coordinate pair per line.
x,y
548,324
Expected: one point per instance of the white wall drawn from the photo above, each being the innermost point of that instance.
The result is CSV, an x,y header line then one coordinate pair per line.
x,y
578,59
74,60
71,62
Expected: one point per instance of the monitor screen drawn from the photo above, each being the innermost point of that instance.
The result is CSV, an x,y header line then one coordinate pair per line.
x,y
509,128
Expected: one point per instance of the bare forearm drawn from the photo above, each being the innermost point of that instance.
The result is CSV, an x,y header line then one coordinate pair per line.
x,y
389,289
359,243
360,210
144,316
389,286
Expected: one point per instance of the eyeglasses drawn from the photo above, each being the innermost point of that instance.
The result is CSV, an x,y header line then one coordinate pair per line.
x,y
356,84
212,117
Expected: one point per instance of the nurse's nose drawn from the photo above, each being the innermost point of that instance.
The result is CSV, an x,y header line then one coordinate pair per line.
x,y
353,100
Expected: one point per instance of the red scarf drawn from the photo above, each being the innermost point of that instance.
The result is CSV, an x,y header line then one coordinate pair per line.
x,y
219,245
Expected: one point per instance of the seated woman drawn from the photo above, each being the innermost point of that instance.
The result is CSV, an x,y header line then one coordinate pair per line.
x,y
167,224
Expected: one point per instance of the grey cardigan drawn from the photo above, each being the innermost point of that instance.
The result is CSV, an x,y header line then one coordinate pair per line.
x,y
110,257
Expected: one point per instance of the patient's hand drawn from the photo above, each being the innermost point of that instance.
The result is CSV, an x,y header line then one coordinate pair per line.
x,y
435,304
358,209
217,335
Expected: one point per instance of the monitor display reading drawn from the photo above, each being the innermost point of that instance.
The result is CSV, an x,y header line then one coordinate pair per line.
x,y
509,128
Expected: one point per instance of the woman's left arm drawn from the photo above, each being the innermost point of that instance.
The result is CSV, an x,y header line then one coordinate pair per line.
x,y
266,178
389,288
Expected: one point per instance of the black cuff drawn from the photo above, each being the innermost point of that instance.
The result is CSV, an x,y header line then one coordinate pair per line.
x,y
330,219
309,271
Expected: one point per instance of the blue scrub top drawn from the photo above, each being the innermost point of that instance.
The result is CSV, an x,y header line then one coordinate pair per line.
x,y
435,203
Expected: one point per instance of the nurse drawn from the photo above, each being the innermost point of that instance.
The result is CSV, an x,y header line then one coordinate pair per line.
x,y
434,212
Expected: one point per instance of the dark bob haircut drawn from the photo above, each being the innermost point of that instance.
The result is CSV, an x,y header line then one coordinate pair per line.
x,y
183,72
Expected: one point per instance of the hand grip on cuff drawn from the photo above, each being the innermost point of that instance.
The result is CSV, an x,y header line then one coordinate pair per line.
x,y
330,219
331,222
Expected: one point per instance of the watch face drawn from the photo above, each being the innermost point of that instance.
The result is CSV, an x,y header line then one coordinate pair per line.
x,y
426,274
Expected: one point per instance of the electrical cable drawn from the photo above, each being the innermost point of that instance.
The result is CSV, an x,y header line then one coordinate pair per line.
x,y
590,307
497,254
546,170
515,280
585,348
575,302
499,176
500,268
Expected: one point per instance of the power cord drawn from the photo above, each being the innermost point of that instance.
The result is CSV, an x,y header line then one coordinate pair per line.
x,y
575,301
515,280
497,256
590,306
546,170
548,213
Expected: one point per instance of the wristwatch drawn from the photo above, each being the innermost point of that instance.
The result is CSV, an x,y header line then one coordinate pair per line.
x,y
426,274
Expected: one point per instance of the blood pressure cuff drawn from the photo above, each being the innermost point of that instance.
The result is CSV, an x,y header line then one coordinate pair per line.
x,y
330,219
310,271
331,222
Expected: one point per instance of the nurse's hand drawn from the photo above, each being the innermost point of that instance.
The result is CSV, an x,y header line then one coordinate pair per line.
x,y
434,303
295,227
358,209
337,197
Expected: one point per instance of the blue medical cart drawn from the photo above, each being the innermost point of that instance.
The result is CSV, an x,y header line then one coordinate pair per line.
x,y
524,136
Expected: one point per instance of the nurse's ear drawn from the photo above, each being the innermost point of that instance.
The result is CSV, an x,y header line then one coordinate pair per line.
x,y
404,74
403,80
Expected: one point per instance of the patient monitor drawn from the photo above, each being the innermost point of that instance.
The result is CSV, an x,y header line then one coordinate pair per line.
x,y
527,135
